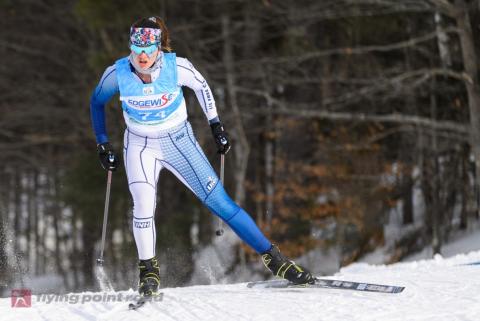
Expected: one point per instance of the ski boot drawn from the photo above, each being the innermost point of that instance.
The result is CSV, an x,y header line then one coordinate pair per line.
x,y
285,268
149,277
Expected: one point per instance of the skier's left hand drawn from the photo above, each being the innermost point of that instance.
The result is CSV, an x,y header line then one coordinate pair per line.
x,y
221,138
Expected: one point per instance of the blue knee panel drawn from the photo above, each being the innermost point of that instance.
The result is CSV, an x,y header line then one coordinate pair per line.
x,y
239,221
221,204
248,231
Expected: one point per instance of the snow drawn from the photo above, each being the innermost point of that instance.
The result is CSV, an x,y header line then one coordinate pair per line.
x,y
466,243
437,289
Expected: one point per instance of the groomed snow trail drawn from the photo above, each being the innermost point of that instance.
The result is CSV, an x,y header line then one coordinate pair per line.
x,y
436,290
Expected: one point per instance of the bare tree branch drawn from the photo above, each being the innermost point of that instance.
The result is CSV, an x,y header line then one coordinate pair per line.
x,y
390,118
361,50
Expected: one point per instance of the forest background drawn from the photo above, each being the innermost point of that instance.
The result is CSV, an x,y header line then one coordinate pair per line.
x,y
343,115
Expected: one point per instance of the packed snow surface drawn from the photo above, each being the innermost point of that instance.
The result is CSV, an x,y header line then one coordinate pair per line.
x,y
438,289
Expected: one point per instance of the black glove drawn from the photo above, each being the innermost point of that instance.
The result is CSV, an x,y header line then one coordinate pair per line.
x,y
221,137
107,156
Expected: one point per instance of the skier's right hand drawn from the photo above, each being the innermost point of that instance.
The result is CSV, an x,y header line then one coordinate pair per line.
x,y
221,138
107,156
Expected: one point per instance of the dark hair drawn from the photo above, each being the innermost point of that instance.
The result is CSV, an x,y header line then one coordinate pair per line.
x,y
157,23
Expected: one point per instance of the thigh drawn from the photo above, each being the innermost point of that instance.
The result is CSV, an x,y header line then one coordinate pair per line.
x,y
183,156
141,159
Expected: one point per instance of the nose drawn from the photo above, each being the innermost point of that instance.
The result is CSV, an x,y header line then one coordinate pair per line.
x,y
143,55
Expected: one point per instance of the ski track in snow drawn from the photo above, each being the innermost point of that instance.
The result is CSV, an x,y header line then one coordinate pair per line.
x,y
436,290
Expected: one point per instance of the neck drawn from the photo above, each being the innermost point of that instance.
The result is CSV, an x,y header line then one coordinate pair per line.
x,y
146,78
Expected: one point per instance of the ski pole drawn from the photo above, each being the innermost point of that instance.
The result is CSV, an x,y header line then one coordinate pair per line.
x,y
105,218
219,231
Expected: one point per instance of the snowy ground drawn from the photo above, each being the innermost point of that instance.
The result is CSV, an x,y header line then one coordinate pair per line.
x,y
439,289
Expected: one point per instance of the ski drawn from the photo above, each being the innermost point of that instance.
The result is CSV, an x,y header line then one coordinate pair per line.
x,y
330,284
139,303
144,299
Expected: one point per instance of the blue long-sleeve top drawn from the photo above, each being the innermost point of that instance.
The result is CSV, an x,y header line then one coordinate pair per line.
x,y
105,90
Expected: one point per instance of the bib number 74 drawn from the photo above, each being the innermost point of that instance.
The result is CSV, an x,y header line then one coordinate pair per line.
x,y
152,116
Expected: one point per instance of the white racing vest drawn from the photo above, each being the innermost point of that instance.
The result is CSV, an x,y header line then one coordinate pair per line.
x,y
154,106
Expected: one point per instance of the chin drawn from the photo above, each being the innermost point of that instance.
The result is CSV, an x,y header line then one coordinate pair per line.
x,y
145,67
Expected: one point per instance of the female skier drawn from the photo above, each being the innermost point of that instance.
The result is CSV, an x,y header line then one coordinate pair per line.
x,y
158,135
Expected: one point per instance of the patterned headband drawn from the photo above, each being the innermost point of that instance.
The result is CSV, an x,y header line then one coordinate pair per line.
x,y
144,37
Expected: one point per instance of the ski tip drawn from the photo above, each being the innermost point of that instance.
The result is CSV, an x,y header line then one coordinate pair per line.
x,y
144,299
398,289
138,304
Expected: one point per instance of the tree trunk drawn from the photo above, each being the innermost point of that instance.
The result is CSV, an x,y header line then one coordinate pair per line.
x,y
471,69
406,188
436,211
88,241
270,137
465,187
407,197
35,214
3,243
241,147
442,41
74,261
31,217
56,213
17,212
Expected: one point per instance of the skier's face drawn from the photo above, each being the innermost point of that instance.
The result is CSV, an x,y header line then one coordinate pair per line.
x,y
145,60
145,44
